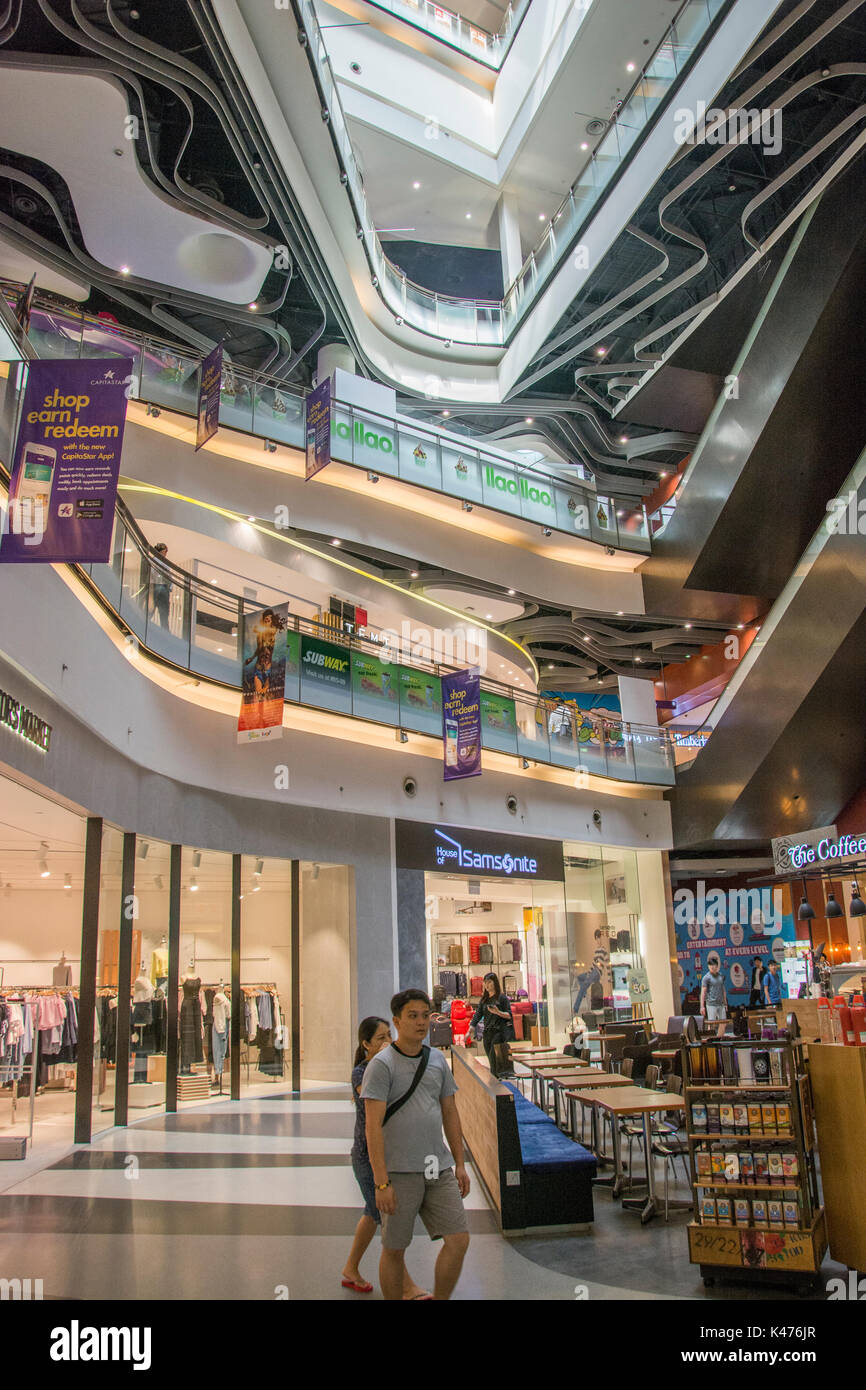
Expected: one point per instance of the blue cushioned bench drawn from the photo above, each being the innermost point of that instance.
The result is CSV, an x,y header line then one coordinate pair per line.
x,y
557,1172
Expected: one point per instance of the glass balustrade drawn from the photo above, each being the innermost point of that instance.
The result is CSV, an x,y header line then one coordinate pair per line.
x,y
475,322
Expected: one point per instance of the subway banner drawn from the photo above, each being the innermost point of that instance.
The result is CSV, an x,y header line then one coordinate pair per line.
x,y
461,724
264,674
210,378
66,462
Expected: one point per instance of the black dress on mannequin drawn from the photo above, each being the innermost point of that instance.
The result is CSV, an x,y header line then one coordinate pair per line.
x,y
190,1025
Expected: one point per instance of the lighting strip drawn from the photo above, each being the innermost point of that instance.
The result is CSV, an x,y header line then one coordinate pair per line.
x,y
333,559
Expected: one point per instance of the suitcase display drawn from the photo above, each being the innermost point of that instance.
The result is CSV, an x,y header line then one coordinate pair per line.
x,y
438,997
509,984
461,985
485,954
517,1023
475,946
448,981
517,948
476,986
455,955
440,1030
506,952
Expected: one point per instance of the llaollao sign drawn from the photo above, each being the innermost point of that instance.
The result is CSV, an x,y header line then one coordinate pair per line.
x,y
366,437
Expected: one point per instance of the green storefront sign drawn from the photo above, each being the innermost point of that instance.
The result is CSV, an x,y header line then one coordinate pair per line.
x,y
367,437
324,663
373,680
516,487
498,713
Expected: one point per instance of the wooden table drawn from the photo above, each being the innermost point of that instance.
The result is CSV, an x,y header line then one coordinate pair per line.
x,y
556,1078
667,1054
632,1100
567,1084
530,1049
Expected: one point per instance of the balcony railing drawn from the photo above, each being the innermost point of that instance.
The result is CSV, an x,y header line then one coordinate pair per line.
x,y
485,323
457,32
167,376
197,627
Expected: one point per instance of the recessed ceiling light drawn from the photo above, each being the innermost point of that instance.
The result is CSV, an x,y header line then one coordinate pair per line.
x,y
600,351
336,542
124,270
250,518
584,146
414,574
542,216
663,475
468,216
446,412
416,184
623,439
528,420
619,612
193,886
687,626
253,306
629,67
511,593
638,659
67,880
488,617
740,626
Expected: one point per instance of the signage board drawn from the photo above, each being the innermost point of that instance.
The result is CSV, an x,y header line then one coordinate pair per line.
x,y
461,724
791,852
22,721
481,853
318,428
209,397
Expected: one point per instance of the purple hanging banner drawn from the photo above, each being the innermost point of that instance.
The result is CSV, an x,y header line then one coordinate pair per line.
x,y
461,724
66,462
318,428
209,396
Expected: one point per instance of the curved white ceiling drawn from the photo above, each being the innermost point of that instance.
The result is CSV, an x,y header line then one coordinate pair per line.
x,y
58,116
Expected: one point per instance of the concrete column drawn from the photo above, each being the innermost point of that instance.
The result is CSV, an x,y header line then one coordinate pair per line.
x,y
509,238
637,700
331,357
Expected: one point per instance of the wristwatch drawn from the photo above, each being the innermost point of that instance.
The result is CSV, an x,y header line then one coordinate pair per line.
x,y
381,1186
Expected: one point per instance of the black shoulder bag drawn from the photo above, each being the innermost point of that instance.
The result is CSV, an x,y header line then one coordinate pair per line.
x,y
419,1072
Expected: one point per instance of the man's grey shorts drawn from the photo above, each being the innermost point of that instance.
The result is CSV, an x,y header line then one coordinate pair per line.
x,y
436,1200
716,1013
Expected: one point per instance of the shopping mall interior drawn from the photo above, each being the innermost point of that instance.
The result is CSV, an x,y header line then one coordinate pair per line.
x,y
431,469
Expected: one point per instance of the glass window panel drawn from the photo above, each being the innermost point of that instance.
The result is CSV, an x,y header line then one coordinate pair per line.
x,y
327,930
266,973
419,458
205,972
149,1032
108,1002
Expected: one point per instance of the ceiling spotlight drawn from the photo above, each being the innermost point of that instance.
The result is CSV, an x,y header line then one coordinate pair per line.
x,y
639,660
270,446
546,531
402,736
374,280
524,763
467,506
600,678
550,666
143,849
253,306
446,412
663,475
600,351
260,864
609,550
740,626
416,184
541,216
629,67
414,574
858,907
124,270
258,888
193,886
399,321
196,858
528,420
619,612
44,871
447,342
67,883
336,542
584,145
468,216
511,593
687,626
732,188
250,518
152,410
372,477
488,617
623,439
833,909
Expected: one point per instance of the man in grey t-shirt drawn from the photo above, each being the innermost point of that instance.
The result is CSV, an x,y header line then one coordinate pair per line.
x,y
714,998
415,1172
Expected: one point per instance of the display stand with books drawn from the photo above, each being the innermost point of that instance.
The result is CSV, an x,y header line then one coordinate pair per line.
x,y
751,1149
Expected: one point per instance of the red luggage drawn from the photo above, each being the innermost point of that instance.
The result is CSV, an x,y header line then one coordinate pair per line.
x,y
475,944
476,986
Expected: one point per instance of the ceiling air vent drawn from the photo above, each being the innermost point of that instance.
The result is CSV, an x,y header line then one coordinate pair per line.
x,y
596,127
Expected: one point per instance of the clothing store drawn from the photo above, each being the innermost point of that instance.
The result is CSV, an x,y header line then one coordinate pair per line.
x,y
567,927
205,947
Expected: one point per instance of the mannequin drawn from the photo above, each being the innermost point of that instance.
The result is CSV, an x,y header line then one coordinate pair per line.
x,y
159,963
220,1034
190,1020
62,973
142,1023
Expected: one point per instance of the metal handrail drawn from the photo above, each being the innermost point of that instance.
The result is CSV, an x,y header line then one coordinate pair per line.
x,y
490,322
431,19
126,591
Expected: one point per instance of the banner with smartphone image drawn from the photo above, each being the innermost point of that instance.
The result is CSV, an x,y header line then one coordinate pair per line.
x,y
264,674
461,724
66,462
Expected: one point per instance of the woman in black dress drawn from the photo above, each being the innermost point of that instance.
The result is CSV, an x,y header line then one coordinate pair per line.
x,y
495,1010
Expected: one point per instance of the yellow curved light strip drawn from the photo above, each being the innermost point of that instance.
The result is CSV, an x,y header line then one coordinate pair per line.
x,y
332,559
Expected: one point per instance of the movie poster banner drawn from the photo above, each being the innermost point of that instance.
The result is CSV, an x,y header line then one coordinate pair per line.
x,y
318,434
209,397
264,674
66,463
461,724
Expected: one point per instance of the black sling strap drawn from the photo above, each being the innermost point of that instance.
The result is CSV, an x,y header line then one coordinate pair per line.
x,y
419,1072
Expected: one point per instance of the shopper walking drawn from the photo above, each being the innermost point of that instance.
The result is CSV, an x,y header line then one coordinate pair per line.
x,y
160,587
409,1094
373,1034
495,1011
756,993
772,986
714,998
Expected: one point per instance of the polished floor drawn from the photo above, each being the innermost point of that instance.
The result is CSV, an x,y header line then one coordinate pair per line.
x,y
256,1200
